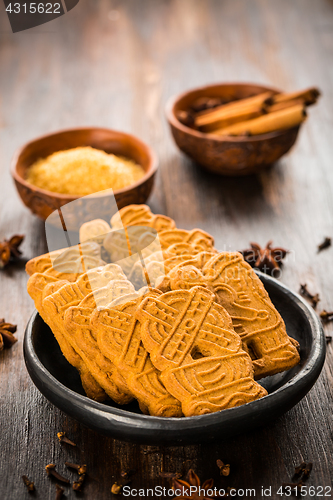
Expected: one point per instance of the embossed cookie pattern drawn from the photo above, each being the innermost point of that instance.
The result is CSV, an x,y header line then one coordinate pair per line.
x,y
191,340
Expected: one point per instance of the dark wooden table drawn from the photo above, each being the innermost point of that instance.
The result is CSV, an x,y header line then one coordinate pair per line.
x,y
114,64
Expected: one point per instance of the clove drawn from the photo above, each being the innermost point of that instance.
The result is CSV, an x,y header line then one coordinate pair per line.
x,y
116,488
59,492
325,244
64,439
307,471
50,470
314,299
299,469
224,468
81,469
77,485
303,471
326,316
29,484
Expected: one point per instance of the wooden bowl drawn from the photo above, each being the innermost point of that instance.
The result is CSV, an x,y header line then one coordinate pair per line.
x,y
227,155
43,203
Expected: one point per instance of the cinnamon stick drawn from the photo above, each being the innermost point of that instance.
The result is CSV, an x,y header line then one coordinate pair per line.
x,y
279,120
234,116
251,104
309,96
285,104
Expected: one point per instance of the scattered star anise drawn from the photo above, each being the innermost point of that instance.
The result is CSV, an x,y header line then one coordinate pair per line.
x,y
9,249
265,259
7,338
193,480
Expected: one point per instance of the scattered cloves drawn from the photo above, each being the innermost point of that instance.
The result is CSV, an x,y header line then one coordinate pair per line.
x,y
116,488
50,470
64,439
77,485
224,468
81,469
314,299
325,244
59,492
303,471
29,484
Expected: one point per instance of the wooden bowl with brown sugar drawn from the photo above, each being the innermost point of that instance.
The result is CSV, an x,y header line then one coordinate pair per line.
x,y
42,203
227,155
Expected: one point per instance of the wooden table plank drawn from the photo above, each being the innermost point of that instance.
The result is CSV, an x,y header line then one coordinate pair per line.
x,y
115,64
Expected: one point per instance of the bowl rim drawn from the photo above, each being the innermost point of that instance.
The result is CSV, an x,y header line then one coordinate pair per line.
x,y
173,121
153,163
304,380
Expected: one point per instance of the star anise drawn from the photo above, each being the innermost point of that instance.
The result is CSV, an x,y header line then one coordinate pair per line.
x,y
7,338
9,249
198,492
265,259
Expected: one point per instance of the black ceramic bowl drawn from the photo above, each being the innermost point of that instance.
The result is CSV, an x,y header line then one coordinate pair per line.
x,y
60,384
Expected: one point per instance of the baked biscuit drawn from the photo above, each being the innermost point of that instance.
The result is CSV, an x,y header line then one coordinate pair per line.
x,y
35,286
98,278
118,337
40,286
191,340
171,266
254,317
200,240
67,263
130,247
122,249
83,337
141,215
78,336
94,230
154,267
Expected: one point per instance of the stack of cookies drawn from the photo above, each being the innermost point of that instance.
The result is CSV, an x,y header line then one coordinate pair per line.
x,y
148,311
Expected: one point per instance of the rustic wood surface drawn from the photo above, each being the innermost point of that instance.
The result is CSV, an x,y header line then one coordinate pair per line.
x,y
114,64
